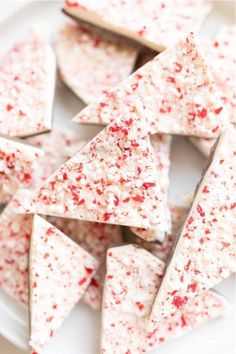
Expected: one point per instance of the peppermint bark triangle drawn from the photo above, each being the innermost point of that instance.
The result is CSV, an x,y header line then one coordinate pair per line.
x,y
133,276
113,179
27,82
174,92
18,165
96,60
154,23
60,272
205,252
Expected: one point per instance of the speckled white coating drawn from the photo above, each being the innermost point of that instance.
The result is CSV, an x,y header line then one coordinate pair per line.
x,y
221,56
161,146
156,24
60,272
95,60
95,238
132,279
174,92
55,153
205,252
113,179
15,230
18,163
162,250
27,80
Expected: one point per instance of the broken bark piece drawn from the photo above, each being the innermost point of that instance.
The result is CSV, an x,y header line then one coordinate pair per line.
x,y
60,272
174,93
132,279
95,60
161,146
113,179
18,163
155,24
205,251
221,56
15,231
27,81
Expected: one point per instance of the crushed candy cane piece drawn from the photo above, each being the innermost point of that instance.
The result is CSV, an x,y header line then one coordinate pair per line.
x,y
95,238
27,81
156,24
15,231
161,146
132,279
60,272
221,56
162,250
113,179
174,92
95,60
18,163
205,252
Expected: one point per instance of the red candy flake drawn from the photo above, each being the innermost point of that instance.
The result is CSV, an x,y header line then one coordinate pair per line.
x,y
202,113
218,110
179,301
140,305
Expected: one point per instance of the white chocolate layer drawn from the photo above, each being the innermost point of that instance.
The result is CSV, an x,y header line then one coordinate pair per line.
x,y
60,272
27,81
174,93
205,252
15,231
91,60
156,24
221,56
94,238
132,279
18,163
113,179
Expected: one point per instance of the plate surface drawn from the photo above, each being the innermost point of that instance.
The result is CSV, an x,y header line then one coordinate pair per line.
x,y
80,332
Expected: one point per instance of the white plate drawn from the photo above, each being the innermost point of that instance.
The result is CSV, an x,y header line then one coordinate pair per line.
x,y
80,332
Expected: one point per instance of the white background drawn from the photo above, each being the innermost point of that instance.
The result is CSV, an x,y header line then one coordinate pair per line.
x,y
80,332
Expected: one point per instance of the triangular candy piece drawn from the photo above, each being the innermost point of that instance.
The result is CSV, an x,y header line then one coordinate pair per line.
x,y
113,179
205,252
27,80
221,56
156,24
94,238
95,60
174,92
18,163
161,146
132,279
15,231
60,272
